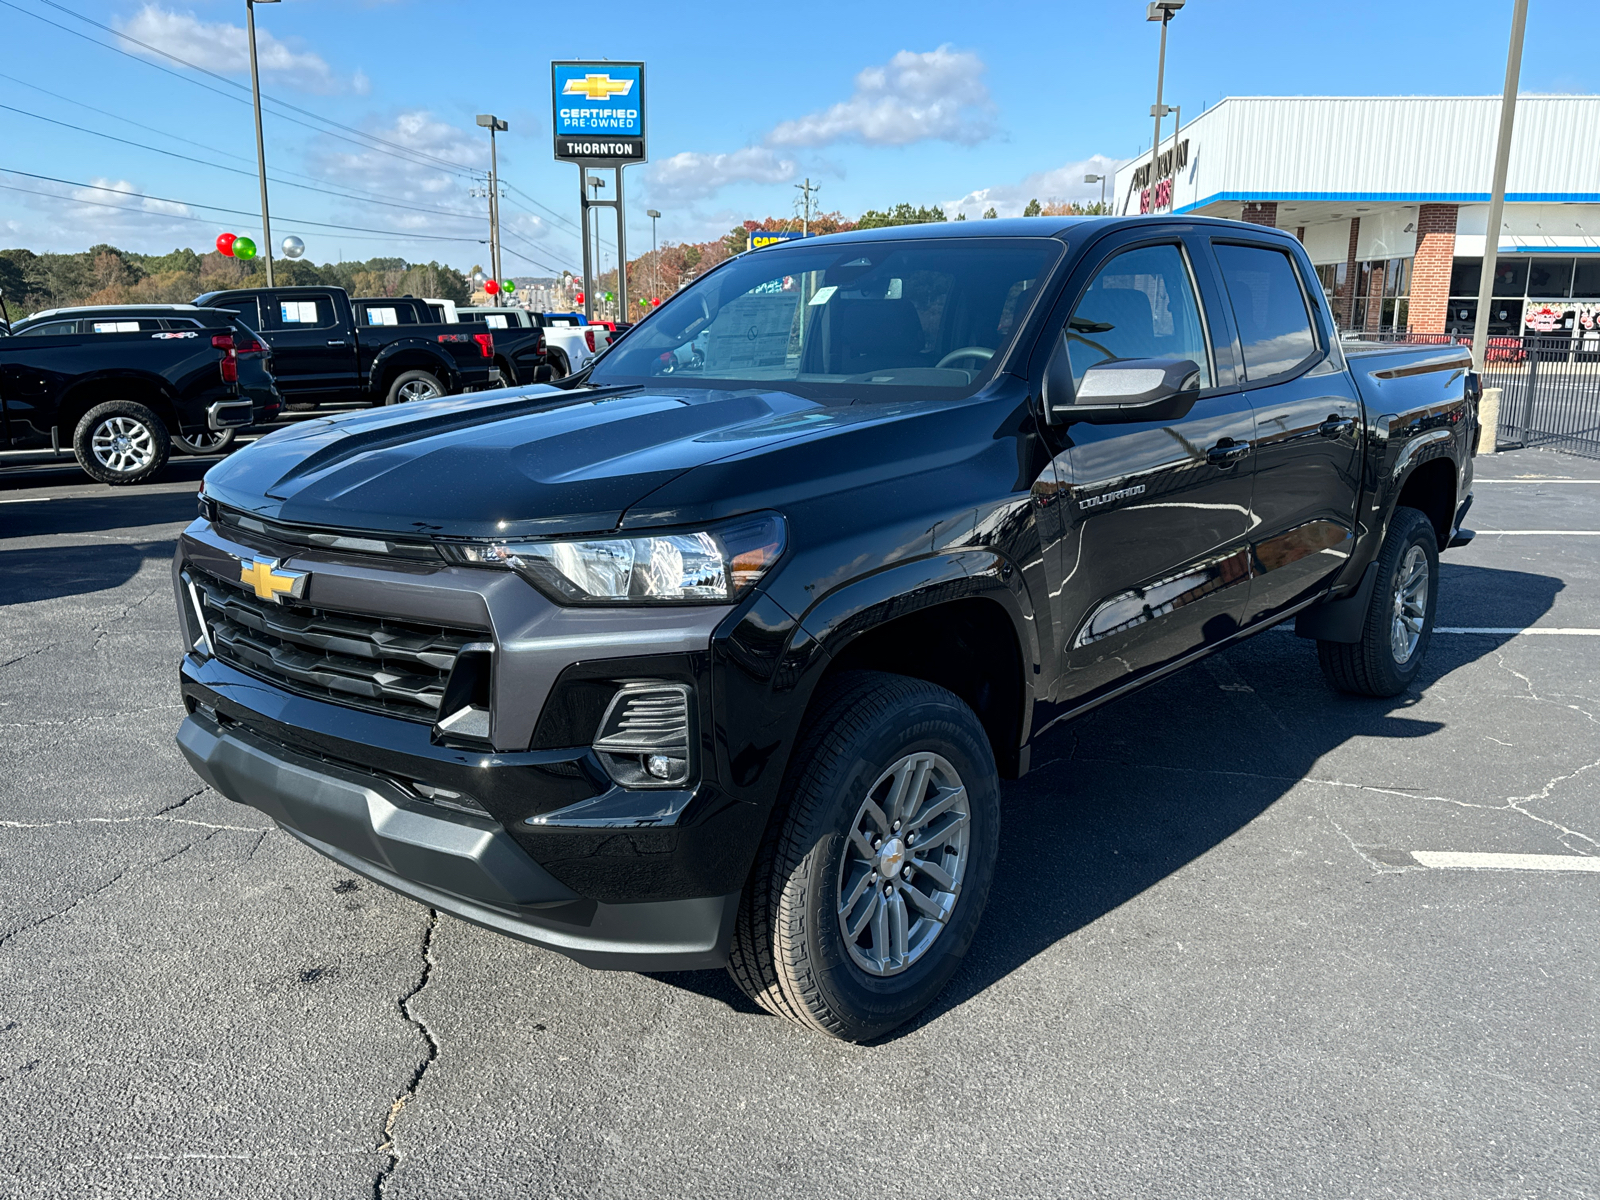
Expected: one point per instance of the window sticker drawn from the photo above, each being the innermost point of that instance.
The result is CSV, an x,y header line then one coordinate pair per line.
x,y
382,316
116,327
298,312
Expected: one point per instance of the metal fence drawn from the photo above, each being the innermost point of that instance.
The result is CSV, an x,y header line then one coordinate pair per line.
x,y
1549,386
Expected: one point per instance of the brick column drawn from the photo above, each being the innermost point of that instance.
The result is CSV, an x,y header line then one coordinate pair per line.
x,y
1380,271
1261,213
1347,298
1430,272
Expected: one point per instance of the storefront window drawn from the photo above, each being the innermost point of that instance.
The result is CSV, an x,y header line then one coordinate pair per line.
x,y
1550,277
1544,297
1586,279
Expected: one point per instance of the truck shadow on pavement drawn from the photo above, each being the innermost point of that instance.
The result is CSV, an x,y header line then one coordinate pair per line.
x,y
123,508
58,571
1129,795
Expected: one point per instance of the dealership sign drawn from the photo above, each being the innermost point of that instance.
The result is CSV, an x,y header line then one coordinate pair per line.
x,y
599,112
1167,166
766,237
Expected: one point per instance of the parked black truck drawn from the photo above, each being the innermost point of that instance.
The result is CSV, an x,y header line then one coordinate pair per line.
x,y
125,384
719,658
321,354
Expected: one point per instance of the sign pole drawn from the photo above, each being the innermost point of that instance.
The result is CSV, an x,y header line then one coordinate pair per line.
x,y
622,250
1497,195
588,269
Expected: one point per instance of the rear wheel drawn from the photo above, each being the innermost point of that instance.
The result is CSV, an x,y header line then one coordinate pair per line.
x,y
866,896
121,442
1399,620
209,441
411,386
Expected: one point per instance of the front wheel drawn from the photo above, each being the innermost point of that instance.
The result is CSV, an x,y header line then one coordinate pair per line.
x,y
121,442
1399,620
866,896
411,386
208,441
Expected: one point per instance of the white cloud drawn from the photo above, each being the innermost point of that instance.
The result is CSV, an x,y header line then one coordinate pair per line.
x,y
1060,183
937,95
406,180
693,176
225,49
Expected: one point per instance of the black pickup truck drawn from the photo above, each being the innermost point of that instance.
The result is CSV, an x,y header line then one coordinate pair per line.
x,y
719,658
124,384
519,352
322,354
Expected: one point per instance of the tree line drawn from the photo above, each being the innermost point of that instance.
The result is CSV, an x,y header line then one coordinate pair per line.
x,y
104,274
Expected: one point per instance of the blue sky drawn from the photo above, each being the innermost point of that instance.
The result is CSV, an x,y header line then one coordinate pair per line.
x,y
963,105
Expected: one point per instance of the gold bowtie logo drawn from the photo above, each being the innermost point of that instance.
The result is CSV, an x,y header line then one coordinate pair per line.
x,y
269,582
597,87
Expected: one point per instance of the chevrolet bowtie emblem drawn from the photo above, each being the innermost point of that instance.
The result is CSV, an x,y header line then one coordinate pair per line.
x,y
271,583
597,87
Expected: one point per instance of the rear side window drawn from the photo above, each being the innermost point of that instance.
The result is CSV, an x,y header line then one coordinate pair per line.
x,y
1141,305
49,329
248,308
1269,309
315,312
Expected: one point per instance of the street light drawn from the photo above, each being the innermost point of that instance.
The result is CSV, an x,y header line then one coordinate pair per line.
x,y
1101,180
493,124
655,258
261,149
1497,190
1163,11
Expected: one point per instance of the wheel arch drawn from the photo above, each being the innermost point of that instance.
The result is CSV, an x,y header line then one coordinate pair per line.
x,y
396,361
1430,487
141,389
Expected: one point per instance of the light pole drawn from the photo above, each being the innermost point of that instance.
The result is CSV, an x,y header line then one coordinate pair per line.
x,y
1163,11
261,148
494,125
1101,180
1497,193
655,257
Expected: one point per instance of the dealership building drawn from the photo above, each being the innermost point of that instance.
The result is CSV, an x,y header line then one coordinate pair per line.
x,y
1390,196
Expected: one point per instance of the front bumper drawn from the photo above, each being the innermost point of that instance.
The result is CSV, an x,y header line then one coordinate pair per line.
x,y
459,863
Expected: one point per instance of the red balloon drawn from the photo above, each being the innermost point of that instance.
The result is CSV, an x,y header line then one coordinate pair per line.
x,y
491,286
225,243
655,302
578,299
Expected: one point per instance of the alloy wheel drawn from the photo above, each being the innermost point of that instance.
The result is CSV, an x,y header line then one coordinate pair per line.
x,y
123,445
903,864
419,389
1410,605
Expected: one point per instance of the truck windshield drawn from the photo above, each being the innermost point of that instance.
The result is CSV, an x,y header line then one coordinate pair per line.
x,y
834,319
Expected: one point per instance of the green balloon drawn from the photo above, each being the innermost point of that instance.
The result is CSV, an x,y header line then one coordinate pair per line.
x,y
244,248
510,285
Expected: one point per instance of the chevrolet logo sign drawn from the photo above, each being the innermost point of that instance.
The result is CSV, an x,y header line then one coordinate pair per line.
x,y
271,583
597,87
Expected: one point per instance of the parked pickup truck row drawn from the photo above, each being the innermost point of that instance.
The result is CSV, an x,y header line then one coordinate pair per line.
x,y
716,652
569,342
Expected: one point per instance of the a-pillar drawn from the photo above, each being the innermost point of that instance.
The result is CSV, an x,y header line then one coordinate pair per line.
x,y
1430,271
1263,212
1347,295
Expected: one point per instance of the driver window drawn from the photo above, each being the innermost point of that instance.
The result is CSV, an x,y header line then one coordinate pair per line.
x,y
1141,305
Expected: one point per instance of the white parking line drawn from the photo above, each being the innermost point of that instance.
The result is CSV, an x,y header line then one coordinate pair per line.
x,y
1461,860
1531,482
1513,631
1538,532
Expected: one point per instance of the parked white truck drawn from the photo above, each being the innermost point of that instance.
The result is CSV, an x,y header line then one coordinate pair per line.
x,y
570,345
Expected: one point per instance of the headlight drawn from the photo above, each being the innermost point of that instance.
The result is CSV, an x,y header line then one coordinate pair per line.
x,y
706,566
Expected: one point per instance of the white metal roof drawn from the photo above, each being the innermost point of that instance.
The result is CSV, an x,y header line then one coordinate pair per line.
x,y
1380,149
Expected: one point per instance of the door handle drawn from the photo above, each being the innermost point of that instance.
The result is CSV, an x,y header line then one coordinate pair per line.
x,y
339,342
1227,452
1336,425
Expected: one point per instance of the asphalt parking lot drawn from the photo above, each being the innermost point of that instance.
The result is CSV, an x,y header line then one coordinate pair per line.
x,y
1214,962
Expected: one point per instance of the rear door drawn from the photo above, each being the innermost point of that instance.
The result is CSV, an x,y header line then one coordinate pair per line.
x,y
313,353
1308,425
1154,561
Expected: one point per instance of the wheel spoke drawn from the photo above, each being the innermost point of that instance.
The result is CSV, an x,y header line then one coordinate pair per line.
x,y
860,886
878,817
880,931
923,904
863,847
898,927
943,801
912,799
870,911
943,833
935,872
897,792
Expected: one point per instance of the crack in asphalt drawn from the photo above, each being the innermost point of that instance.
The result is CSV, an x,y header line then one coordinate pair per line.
x,y
180,803
409,1092
65,909
103,633
26,655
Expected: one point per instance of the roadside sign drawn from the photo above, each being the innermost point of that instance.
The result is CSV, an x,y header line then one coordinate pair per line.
x,y
762,237
598,112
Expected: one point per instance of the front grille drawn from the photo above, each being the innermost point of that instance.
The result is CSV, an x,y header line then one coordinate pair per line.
x,y
399,668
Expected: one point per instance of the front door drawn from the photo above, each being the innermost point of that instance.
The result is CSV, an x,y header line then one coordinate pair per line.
x,y
1154,563
312,354
1308,466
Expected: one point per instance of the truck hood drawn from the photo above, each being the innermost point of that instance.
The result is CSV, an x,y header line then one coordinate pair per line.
x,y
533,461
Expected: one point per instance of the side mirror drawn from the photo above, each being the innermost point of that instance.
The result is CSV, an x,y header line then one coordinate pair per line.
x,y
1122,390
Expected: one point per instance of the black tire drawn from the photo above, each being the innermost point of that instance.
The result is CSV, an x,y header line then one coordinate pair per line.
x,y
1375,666
121,442
789,951
559,367
212,441
408,385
